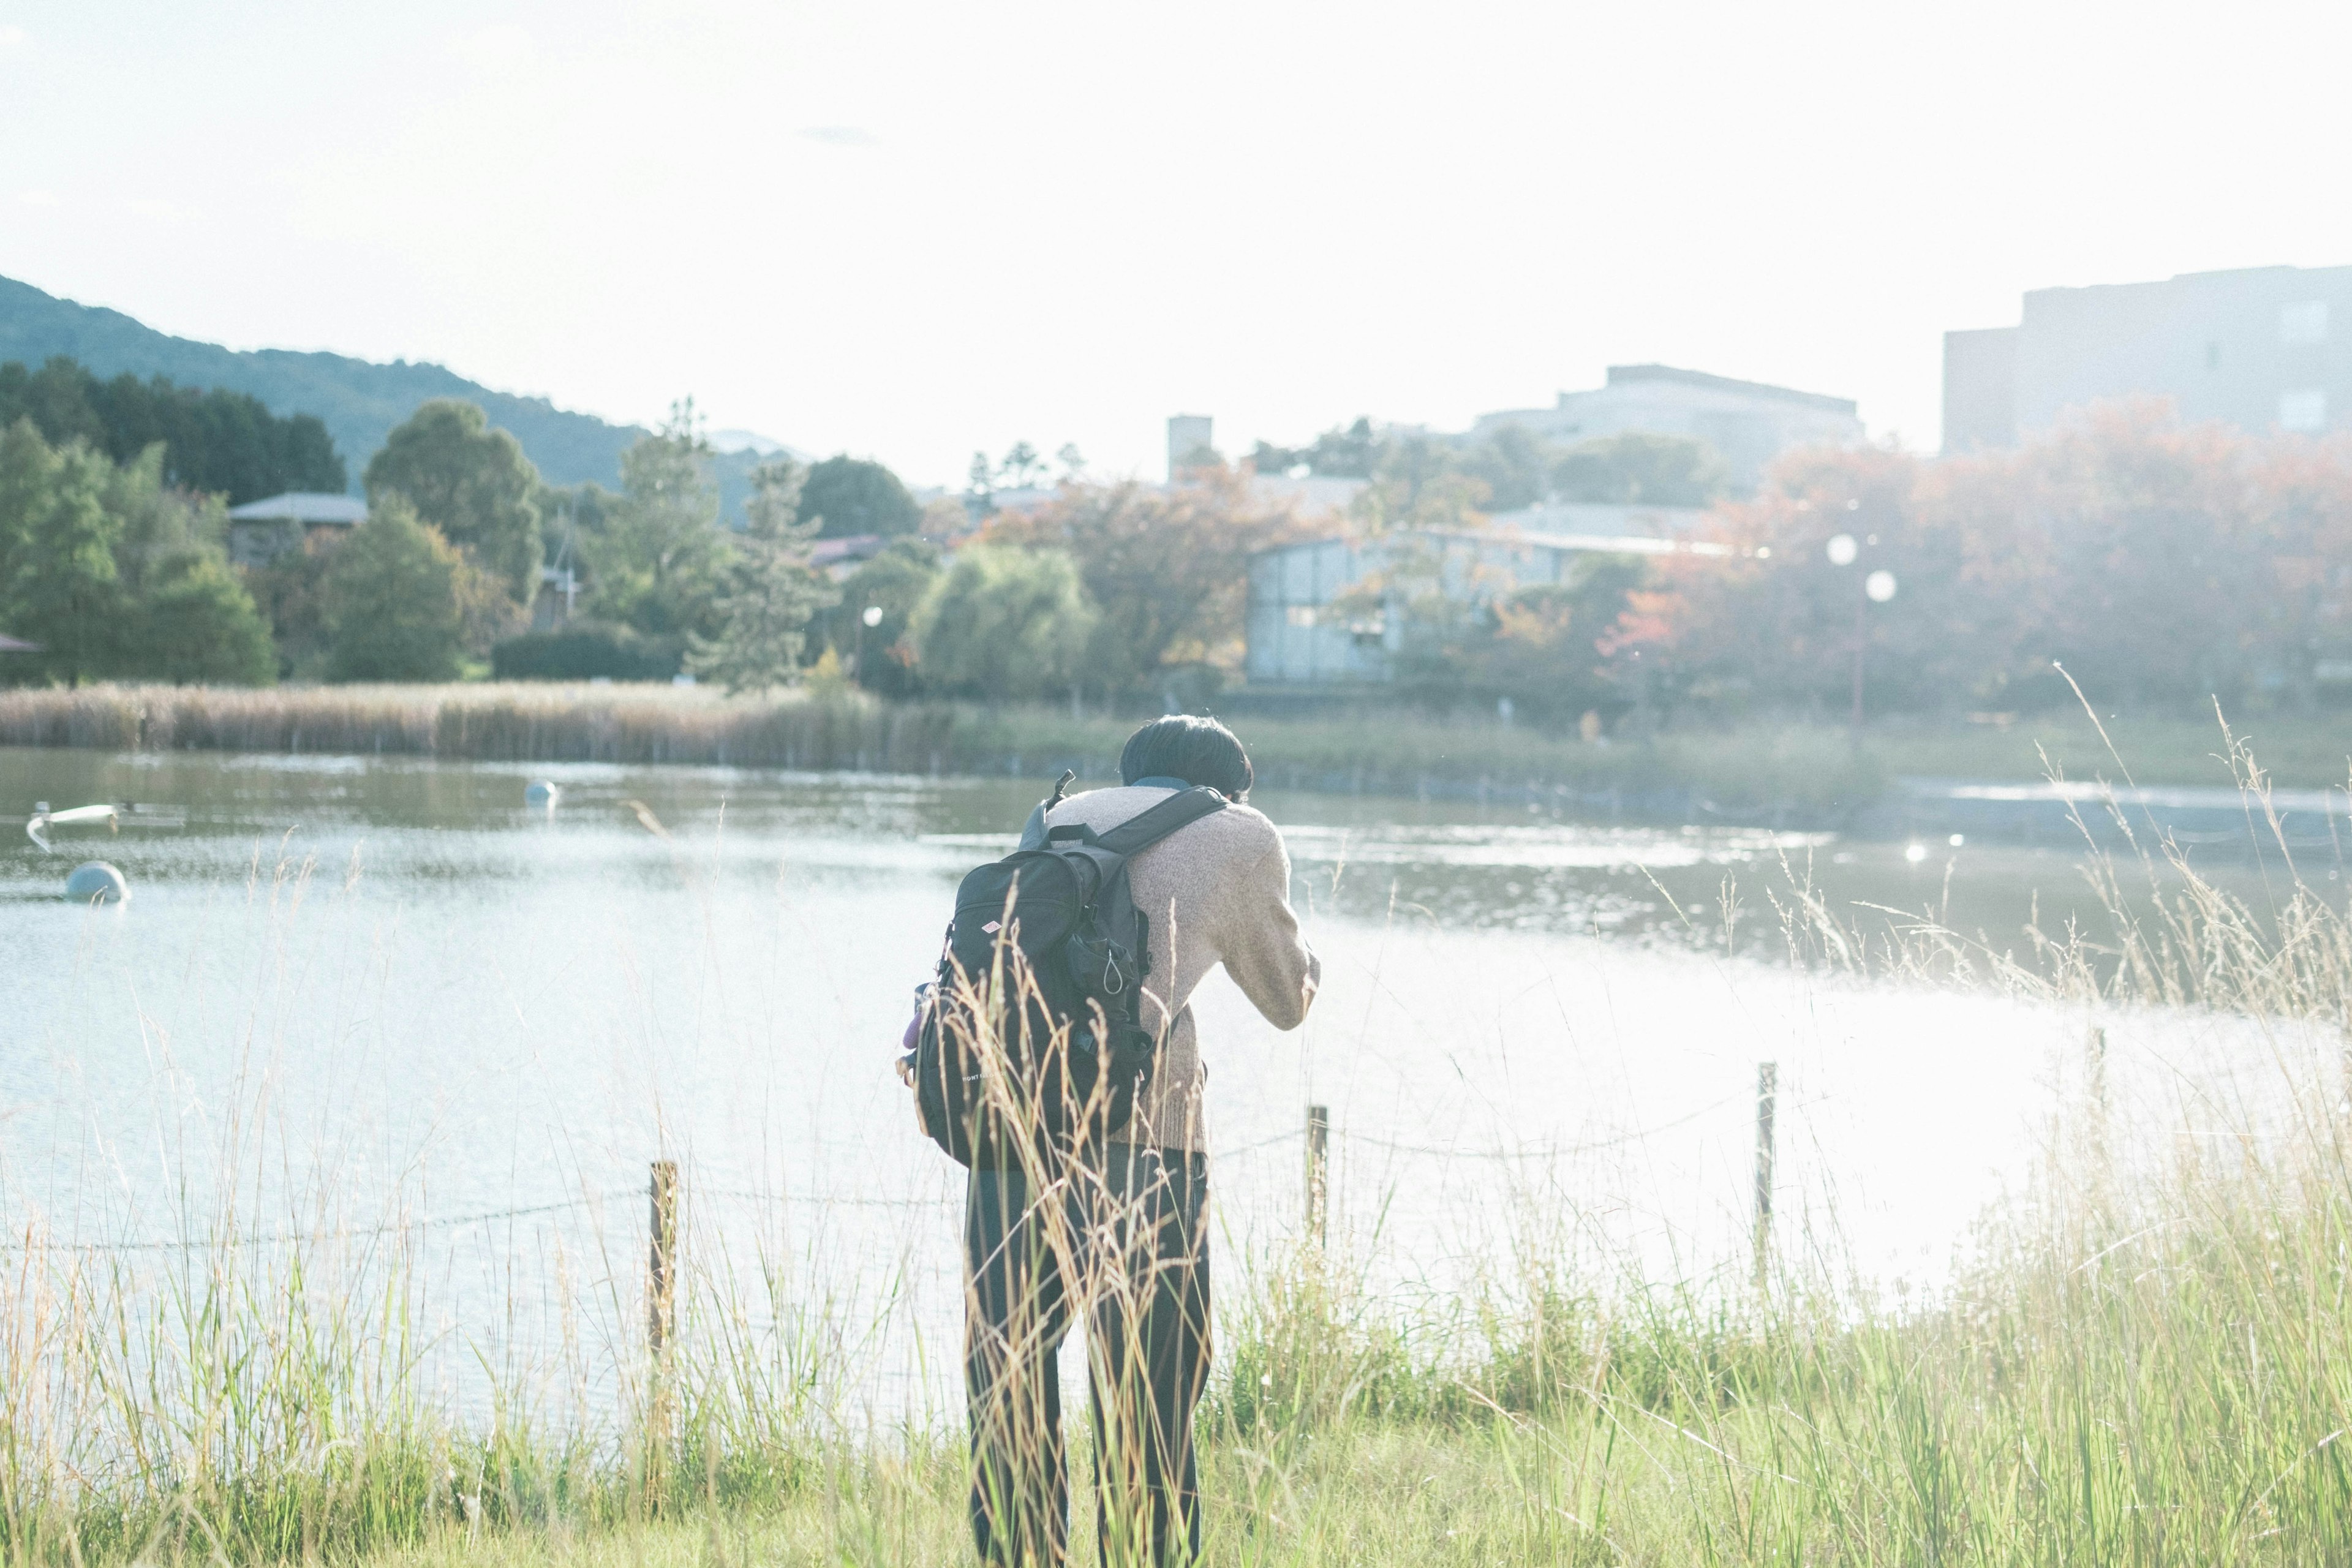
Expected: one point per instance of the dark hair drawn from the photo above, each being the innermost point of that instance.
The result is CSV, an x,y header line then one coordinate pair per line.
x,y
1184,746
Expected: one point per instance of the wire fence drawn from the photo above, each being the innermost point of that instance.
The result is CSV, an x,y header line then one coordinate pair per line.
x,y
1314,1135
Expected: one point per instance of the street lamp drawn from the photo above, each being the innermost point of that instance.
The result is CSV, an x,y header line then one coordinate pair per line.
x,y
1877,588
857,659
871,618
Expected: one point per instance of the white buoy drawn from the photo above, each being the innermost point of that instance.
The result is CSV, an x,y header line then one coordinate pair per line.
x,y
542,791
96,882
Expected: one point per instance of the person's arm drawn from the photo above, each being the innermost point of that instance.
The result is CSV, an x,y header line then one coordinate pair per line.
x,y
1263,949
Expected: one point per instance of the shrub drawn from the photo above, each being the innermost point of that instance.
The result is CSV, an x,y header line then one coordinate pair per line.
x,y
585,653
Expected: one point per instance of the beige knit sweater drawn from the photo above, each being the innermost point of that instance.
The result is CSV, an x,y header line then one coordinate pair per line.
x,y
1216,892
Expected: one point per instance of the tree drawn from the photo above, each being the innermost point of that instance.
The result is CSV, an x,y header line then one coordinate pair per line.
x,y
190,618
395,604
660,556
1514,465
196,624
1343,453
1168,569
59,582
895,582
851,496
1021,466
772,591
215,442
1640,467
471,482
1005,622
161,524
2162,566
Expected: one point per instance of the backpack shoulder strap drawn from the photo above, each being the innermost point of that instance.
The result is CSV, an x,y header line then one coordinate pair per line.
x,y
1146,828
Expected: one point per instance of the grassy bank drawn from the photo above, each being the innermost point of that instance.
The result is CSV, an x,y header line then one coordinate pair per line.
x,y
2145,1358
2151,1378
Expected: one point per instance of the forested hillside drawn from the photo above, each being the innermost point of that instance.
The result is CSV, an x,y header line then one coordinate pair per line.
x,y
358,401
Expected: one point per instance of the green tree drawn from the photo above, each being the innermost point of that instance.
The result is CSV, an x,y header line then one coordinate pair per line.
x,y
850,496
60,585
162,524
1005,622
1515,466
196,624
771,592
1167,568
191,618
394,600
660,556
895,582
215,442
1350,452
291,593
471,482
1021,466
1639,467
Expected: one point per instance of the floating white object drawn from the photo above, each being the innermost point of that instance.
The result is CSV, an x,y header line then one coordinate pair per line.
x,y
96,882
542,791
43,818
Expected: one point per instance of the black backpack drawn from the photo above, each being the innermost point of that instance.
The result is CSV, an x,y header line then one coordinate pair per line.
x,y
1055,930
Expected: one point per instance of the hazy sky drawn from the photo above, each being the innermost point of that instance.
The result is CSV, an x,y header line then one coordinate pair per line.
x,y
914,229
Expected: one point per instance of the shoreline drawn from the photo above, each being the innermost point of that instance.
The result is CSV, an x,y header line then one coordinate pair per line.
x,y
1906,780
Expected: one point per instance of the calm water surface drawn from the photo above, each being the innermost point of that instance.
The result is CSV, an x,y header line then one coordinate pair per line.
x,y
355,993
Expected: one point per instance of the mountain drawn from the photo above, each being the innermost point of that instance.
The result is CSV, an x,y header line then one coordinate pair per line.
x,y
733,441
358,400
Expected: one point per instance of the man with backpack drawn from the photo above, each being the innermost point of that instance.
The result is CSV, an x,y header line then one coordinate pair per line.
x,y
1082,1126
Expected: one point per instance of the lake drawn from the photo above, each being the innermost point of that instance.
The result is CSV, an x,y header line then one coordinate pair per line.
x,y
379,998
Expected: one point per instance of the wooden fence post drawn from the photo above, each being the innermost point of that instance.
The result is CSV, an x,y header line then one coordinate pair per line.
x,y
1319,1173
1767,1082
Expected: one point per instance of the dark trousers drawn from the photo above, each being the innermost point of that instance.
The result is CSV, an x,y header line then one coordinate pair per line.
x,y
1125,1243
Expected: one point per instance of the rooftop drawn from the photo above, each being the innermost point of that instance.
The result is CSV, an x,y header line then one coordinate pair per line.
x,y
1620,374
309,508
1613,544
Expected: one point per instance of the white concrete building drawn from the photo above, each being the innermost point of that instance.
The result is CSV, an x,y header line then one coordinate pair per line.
x,y
1747,423
2254,348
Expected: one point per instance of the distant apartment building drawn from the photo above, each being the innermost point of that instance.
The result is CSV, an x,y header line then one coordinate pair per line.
x,y
1747,423
1188,441
2263,348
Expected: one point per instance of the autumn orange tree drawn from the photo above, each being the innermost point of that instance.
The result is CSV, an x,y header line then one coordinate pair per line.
x,y
2160,564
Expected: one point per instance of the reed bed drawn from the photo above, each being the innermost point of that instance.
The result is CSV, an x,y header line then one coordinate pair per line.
x,y
1782,768
497,722
2144,1358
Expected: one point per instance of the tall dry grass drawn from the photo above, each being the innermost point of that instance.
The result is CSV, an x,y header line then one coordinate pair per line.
x,y
1766,767
504,722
